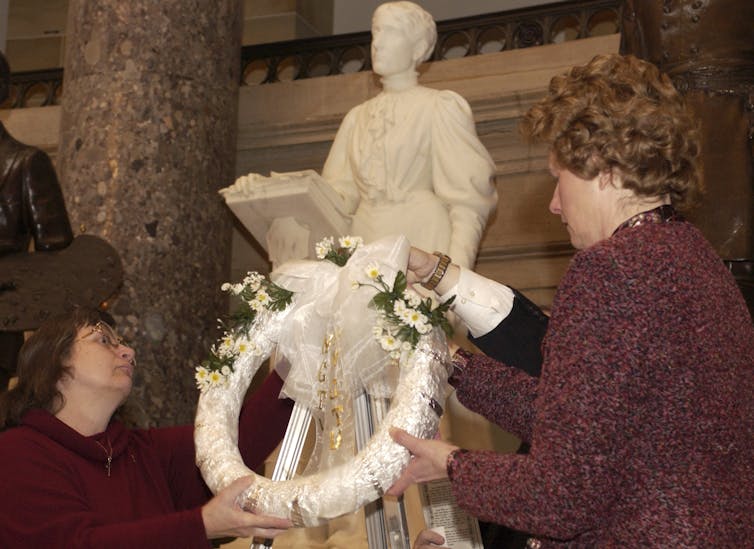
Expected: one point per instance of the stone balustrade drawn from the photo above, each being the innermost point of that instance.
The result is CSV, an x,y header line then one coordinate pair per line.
x,y
349,53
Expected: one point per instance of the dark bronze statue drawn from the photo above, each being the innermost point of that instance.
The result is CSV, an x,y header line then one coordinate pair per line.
x,y
31,207
707,48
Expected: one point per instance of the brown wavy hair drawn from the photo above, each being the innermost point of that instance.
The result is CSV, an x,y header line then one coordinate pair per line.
x,y
42,363
620,113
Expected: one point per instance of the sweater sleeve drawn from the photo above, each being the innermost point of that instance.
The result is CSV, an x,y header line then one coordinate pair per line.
x,y
568,481
264,419
502,394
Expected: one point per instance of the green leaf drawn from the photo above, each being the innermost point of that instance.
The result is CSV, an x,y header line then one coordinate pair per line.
x,y
382,301
399,286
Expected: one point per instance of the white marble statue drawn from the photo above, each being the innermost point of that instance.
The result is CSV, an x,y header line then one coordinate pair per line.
x,y
409,161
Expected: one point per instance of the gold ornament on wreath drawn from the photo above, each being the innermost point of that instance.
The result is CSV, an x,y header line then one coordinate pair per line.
x,y
346,325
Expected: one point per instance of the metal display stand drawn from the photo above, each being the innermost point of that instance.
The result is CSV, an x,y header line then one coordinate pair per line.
x,y
386,523
385,519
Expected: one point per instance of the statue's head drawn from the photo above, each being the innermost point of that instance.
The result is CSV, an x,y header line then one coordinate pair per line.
x,y
4,78
403,35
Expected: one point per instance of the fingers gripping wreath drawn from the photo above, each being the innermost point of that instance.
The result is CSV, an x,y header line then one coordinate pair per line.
x,y
376,325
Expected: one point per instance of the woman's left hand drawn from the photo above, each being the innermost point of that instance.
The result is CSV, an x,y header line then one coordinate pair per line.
x,y
429,462
223,517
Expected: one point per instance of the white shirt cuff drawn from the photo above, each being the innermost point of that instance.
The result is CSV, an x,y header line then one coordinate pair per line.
x,y
481,303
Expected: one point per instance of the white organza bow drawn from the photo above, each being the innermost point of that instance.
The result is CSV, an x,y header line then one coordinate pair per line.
x,y
326,302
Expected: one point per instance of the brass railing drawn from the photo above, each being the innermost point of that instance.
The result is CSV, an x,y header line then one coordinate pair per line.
x,y
348,53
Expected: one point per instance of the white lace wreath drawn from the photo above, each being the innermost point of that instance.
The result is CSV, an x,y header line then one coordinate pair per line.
x,y
326,330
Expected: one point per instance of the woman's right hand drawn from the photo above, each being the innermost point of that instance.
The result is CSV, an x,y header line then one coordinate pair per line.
x,y
427,539
421,265
223,517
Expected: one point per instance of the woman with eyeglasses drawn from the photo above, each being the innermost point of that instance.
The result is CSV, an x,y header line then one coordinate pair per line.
x,y
72,476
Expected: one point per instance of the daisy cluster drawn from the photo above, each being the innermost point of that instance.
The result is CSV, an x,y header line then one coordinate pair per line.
x,y
326,249
404,315
256,293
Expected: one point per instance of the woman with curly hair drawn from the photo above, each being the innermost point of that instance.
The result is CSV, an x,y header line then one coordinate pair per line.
x,y
642,420
74,477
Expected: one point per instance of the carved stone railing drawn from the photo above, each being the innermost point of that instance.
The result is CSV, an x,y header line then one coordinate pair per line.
x,y
348,53
488,33
35,88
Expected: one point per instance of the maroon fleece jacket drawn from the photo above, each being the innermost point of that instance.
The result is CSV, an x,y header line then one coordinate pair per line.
x,y
55,490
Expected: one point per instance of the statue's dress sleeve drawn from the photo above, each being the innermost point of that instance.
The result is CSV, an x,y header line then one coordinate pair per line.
x,y
338,170
462,173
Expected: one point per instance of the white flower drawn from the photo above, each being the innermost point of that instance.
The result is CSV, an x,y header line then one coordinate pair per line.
x,y
423,328
406,346
350,242
413,318
216,378
412,298
243,345
399,307
261,301
390,343
225,348
253,280
372,270
324,246
225,287
377,331
202,377
237,288
405,314
355,285
225,370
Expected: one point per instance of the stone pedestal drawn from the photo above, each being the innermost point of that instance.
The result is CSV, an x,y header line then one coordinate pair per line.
x,y
148,138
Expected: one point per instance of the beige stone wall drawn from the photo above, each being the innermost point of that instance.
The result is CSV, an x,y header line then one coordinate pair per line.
x,y
36,34
37,28
277,20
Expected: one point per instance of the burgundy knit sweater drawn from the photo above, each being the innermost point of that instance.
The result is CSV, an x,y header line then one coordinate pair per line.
x,y
55,491
642,423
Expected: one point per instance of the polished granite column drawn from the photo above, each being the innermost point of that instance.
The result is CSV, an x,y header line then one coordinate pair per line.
x,y
148,137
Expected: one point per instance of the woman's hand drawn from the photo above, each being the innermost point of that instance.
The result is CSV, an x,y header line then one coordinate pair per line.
x,y
421,265
427,539
223,517
429,462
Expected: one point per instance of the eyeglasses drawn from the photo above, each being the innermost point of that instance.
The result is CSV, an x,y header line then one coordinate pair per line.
x,y
109,337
